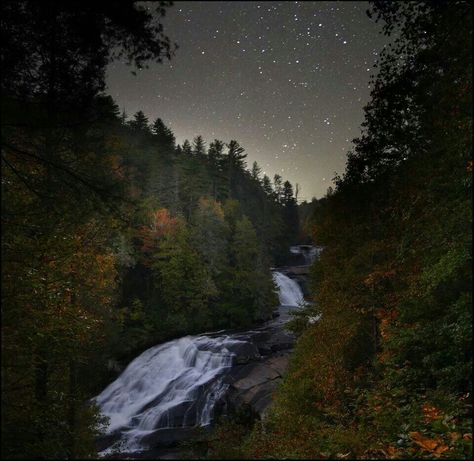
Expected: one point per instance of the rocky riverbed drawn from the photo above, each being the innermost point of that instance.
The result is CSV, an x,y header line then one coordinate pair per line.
x,y
257,373
173,392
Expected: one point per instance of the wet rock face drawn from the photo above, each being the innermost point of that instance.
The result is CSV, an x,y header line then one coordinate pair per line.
x,y
259,363
244,353
105,441
204,376
257,368
256,374
253,383
170,437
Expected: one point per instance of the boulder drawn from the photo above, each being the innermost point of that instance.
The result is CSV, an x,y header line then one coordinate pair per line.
x,y
260,373
170,437
244,352
263,397
238,372
280,341
106,440
252,385
279,363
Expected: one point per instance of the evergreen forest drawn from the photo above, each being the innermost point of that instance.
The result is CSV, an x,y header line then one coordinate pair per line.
x,y
116,238
387,371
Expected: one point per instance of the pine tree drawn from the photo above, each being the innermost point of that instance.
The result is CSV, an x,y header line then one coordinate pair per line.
x,y
199,148
123,117
278,187
187,149
215,157
236,155
256,171
234,165
267,185
290,213
215,152
287,197
163,134
140,124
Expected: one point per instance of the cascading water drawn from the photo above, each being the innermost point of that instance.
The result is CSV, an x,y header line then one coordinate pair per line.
x,y
309,252
289,292
176,384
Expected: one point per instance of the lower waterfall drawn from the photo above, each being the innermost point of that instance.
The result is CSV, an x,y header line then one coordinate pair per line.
x,y
174,385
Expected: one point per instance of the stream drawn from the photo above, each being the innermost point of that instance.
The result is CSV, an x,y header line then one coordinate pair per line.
x,y
172,388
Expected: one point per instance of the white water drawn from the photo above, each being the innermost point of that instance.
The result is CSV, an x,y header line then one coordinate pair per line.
x,y
289,291
163,386
309,252
175,384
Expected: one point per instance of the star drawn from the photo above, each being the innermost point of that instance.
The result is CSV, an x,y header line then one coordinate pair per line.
x,y
261,74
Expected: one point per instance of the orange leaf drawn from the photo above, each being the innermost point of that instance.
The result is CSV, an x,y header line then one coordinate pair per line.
x,y
454,435
440,450
424,442
392,451
431,413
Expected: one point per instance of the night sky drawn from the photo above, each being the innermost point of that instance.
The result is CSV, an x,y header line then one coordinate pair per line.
x,y
287,80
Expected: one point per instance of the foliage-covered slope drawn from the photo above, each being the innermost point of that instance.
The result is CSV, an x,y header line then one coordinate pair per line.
x,y
113,238
387,371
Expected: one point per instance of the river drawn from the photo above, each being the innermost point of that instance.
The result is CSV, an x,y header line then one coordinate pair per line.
x,y
174,387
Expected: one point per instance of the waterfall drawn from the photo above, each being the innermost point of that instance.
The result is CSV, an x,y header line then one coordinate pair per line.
x,y
174,385
309,252
289,291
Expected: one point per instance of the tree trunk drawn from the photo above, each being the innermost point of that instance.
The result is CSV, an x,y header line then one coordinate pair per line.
x,y
72,411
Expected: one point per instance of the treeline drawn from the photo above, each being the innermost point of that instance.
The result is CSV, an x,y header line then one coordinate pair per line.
x,y
387,371
203,233
113,238
177,176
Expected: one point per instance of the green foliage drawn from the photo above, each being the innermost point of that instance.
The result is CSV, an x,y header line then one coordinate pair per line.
x,y
387,370
247,287
184,283
210,234
114,239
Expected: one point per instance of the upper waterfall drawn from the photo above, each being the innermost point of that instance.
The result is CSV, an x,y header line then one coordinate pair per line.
x,y
308,252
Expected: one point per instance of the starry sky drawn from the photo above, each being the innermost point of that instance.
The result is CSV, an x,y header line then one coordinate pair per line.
x,y
287,80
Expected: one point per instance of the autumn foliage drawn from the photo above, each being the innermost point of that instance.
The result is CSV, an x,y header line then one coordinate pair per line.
x,y
161,225
387,370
